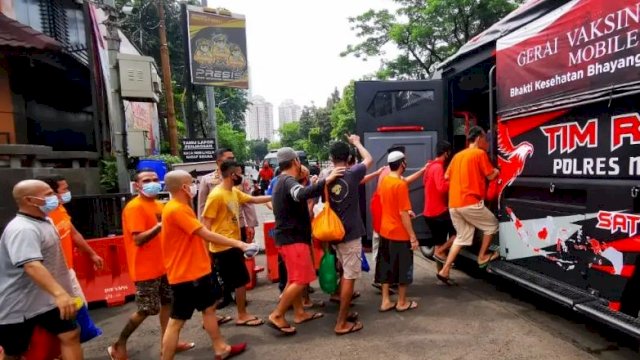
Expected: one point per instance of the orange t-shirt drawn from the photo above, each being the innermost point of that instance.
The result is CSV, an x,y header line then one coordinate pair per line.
x,y
62,221
185,255
394,197
138,216
467,175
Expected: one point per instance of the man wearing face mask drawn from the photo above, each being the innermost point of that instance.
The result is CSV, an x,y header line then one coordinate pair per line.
x,y
69,235
35,284
141,229
221,215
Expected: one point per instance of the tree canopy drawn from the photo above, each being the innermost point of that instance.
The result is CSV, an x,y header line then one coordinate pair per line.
x,y
425,32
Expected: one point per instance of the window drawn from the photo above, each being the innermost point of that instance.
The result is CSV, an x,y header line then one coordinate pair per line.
x,y
75,26
389,102
28,13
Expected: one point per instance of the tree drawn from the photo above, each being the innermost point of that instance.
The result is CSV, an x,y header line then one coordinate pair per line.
x,y
275,145
230,138
234,104
258,149
343,114
425,31
289,134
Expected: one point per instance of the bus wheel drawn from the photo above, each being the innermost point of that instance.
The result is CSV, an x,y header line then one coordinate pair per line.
x,y
427,251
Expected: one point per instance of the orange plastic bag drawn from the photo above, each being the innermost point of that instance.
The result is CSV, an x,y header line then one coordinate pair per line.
x,y
327,226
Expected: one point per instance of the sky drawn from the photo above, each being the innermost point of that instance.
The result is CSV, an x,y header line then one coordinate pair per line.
x,y
294,47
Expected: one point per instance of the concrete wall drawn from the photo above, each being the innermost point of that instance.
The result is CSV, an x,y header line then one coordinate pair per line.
x,y
84,181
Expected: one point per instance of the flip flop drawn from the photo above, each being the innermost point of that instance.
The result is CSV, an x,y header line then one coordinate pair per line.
x,y
253,322
493,256
446,280
182,347
314,316
412,305
224,320
388,309
281,329
353,316
234,351
439,259
316,303
357,326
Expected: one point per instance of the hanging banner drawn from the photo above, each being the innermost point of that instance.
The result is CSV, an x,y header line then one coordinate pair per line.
x,y
217,49
582,46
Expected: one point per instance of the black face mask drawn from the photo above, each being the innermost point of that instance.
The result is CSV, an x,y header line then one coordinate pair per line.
x,y
237,180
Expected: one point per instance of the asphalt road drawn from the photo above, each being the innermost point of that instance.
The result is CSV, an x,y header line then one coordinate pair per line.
x,y
482,318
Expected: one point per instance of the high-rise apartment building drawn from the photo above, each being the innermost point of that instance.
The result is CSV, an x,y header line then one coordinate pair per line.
x,y
288,112
259,119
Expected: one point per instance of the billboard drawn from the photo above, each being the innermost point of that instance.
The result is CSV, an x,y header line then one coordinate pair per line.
x,y
584,46
217,49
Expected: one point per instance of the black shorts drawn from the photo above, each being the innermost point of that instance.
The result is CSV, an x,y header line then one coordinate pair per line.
x,y
394,264
441,228
230,266
15,338
193,295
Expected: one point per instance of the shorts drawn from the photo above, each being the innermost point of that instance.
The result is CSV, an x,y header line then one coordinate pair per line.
x,y
189,296
152,294
349,255
441,228
469,218
297,259
230,266
15,338
394,264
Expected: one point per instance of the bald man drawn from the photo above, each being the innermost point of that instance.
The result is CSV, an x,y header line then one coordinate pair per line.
x,y
189,268
34,279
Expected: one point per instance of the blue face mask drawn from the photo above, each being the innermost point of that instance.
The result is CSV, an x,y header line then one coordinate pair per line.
x,y
151,189
66,197
50,203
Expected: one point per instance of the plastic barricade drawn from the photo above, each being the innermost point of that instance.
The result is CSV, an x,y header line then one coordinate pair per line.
x,y
111,284
271,251
43,346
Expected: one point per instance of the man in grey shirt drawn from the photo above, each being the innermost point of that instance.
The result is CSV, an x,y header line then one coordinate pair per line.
x,y
34,279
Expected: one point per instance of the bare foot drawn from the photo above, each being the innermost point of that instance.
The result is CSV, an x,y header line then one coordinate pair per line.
x,y
386,306
306,316
348,328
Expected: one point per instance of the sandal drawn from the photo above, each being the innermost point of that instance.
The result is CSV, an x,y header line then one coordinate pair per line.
x,y
235,350
182,347
253,322
353,316
412,305
446,280
314,316
493,256
357,326
314,303
282,329
439,259
387,309
224,319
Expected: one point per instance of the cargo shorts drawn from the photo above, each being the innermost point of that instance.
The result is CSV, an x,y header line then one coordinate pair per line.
x,y
152,294
469,218
349,254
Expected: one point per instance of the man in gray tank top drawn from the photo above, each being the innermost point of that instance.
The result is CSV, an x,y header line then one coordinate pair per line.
x,y
34,279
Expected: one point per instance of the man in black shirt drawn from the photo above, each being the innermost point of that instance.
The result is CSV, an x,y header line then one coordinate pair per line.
x,y
293,237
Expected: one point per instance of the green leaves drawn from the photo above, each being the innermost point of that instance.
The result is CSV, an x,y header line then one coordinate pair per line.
x,y
425,32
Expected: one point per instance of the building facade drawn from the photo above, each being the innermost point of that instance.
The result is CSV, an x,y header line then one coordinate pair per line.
x,y
288,112
259,119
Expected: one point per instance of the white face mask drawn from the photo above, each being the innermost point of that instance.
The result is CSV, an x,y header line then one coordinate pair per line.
x,y
193,190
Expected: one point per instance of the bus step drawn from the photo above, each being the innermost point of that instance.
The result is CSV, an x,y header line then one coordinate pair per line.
x,y
544,285
601,312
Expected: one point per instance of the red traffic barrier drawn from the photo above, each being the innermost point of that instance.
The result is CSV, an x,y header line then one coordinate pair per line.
x,y
251,268
271,251
43,345
111,284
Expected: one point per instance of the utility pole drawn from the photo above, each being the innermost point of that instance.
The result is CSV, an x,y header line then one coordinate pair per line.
x,y
116,111
166,79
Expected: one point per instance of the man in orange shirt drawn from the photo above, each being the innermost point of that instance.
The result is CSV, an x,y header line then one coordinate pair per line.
x,y
69,235
189,268
394,263
141,229
468,174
